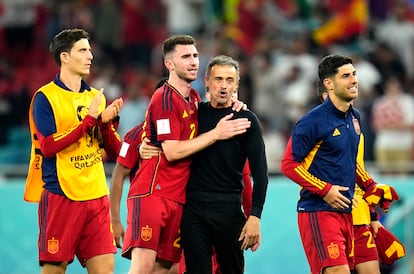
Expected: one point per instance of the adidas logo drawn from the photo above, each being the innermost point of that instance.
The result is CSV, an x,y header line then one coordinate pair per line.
x,y
185,114
336,132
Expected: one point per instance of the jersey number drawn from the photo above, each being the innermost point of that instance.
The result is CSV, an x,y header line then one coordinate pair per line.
x,y
193,130
177,241
370,243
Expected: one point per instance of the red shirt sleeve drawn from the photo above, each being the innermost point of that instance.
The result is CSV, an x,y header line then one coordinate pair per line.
x,y
364,180
247,190
129,152
111,139
56,142
299,173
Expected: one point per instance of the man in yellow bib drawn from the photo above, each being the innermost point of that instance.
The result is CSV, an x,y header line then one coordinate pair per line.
x,y
70,127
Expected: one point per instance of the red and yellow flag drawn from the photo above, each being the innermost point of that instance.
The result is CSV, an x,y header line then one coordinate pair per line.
x,y
350,21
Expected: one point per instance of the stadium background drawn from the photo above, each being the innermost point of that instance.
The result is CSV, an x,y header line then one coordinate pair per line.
x,y
252,31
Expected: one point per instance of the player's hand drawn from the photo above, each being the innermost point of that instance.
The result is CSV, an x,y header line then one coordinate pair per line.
x,y
237,105
119,233
227,128
250,234
380,194
112,111
336,199
355,201
147,151
94,105
375,225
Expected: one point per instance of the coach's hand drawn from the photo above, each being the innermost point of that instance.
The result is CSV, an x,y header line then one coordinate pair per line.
x,y
147,151
250,234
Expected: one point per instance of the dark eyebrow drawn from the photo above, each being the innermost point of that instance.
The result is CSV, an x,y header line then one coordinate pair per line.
x,y
189,54
348,73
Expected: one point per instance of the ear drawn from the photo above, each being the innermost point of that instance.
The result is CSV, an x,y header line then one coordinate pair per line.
x,y
328,83
168,64
64,57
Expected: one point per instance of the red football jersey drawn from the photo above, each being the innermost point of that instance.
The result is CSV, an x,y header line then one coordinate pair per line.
x,y
128,154
169,116
389,246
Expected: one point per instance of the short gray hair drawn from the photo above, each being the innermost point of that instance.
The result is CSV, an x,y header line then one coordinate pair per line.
x,y
222,60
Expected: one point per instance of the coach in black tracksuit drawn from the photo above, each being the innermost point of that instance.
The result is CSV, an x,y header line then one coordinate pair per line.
x,y
212,215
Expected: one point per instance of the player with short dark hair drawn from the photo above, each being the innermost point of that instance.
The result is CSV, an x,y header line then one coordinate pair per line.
x,y
321,156
69,125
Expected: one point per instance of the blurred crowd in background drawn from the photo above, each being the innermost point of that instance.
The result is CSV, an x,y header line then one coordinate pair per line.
x,y
278,43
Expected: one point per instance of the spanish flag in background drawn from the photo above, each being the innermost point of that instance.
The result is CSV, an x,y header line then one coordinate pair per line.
x,y
350,21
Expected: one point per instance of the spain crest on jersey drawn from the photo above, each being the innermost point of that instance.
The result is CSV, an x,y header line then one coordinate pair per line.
x,y
357,127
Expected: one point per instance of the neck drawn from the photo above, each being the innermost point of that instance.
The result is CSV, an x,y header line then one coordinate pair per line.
x,y
72,81
215,104
182,86
340,104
